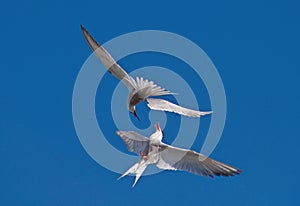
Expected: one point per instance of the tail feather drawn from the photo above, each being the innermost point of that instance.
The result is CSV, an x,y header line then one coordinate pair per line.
x,y
139,172
148,88
137,169
131,170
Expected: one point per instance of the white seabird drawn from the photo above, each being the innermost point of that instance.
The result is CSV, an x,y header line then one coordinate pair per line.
x,y
140,89
153,151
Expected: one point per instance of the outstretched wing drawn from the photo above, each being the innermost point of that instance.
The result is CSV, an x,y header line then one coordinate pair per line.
x,y
108,61
135,142
164,105
173,158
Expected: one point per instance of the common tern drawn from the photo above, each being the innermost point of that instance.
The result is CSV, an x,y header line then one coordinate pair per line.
x,y
166,157
139,89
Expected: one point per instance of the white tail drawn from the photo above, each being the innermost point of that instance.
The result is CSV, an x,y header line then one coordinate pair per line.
x,y
137,169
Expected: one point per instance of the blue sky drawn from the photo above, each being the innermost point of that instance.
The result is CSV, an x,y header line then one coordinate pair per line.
x,y
255,47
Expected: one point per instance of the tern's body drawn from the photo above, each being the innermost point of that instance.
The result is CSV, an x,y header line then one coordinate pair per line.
x,y
139,89
166,157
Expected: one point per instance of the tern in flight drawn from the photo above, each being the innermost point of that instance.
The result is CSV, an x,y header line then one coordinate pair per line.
x,y
153,151
139,89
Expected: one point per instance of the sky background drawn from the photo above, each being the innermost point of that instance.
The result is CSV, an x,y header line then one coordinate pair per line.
x,y
255,47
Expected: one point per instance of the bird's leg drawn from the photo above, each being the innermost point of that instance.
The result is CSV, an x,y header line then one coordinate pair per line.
x,y
145,157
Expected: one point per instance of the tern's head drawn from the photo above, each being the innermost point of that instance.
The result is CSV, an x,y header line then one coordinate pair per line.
x,y
158,134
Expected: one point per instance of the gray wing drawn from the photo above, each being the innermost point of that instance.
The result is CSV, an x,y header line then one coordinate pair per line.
x,y
164,105
173,158
135,142
107,60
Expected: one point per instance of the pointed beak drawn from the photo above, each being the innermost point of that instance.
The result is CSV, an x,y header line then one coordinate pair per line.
x,y
157,127
134,113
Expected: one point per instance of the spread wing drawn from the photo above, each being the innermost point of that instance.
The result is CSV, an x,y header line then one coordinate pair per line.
x,y
107,60
173,158
164,105
135,142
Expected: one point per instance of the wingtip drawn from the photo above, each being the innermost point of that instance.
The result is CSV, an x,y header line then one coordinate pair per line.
x,y
238,171
118,133
84,31
82,27
205,113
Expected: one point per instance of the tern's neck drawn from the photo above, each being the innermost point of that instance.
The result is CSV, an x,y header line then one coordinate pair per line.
x,y
156,137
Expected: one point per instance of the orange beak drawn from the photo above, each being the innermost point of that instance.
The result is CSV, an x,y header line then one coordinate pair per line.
x,y
157,127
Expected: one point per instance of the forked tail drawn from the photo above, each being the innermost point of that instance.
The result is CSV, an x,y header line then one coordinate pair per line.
x,y
137,169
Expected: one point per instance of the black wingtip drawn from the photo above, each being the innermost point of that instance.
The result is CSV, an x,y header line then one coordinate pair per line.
x,y
82,28
239,171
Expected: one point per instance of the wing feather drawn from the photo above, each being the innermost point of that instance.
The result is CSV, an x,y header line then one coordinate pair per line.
x,y
135,142
107,60
173,158
164,105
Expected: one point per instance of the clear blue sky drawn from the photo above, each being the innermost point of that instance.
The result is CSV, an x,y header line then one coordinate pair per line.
x,y
254,45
